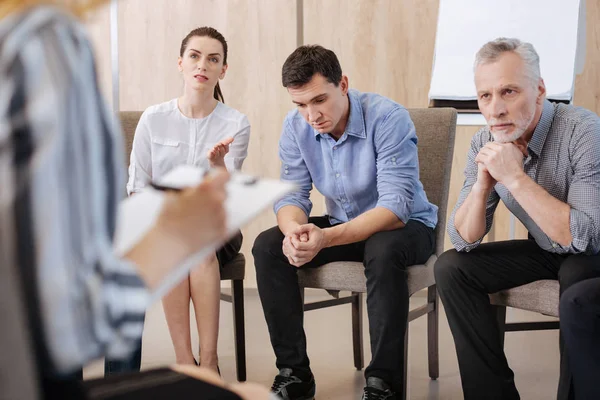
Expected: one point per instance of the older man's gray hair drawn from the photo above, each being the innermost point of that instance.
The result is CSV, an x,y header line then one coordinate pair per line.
x,y
491,51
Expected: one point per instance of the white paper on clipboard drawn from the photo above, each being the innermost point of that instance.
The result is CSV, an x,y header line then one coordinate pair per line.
x,y
246,198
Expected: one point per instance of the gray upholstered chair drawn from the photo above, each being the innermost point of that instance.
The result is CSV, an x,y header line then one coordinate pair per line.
x,y
234,271
540,296
435,130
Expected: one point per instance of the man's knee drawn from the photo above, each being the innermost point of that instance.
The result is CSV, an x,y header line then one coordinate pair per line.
x,y
577,268
567,304
579,298
571,305
446,267
267,244
382,257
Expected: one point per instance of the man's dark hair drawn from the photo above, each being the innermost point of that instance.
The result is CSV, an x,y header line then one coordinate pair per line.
x,y
306,61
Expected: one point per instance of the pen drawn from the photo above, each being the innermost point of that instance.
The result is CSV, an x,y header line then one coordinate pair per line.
x,y
164,188
244,180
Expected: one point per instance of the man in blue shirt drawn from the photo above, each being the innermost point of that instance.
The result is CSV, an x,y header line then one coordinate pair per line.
x,y
360,152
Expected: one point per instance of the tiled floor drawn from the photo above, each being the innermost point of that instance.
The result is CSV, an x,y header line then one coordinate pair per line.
x,y
532,355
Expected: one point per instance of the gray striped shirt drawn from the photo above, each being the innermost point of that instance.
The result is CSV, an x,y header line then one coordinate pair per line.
x,y
61,178
564,159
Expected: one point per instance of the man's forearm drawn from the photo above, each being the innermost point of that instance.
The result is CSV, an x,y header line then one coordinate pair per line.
x,y
550,214
469,219
362,227
289,218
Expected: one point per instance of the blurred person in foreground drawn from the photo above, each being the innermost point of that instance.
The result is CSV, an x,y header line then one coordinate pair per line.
x,y
61,173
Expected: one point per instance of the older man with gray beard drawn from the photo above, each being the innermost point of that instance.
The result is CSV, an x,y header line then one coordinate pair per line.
x,y
543,161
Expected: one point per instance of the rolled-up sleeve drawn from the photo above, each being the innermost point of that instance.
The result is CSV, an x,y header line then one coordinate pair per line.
x,y
492,202
120,316
140,161
584,193
293,169
397,164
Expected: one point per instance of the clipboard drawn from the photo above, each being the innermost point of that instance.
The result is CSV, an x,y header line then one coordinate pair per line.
x,y
247,196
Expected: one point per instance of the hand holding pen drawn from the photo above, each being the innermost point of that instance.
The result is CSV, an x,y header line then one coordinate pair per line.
x,y
196,215
191,218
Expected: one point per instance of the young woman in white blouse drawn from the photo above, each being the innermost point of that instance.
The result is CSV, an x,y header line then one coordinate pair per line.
x,y
195,129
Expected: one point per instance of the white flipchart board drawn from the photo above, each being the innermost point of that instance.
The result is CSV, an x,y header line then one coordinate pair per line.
x,y
556,28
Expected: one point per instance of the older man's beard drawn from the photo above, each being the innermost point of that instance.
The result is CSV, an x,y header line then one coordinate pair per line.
x,y
521,125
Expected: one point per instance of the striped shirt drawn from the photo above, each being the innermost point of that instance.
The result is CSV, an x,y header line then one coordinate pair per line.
x,y
62,175
564,159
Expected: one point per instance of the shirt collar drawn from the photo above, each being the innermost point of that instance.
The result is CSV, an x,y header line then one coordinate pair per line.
x,y
356,121
541,130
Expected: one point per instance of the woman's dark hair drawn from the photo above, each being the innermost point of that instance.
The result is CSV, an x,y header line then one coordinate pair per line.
x,y
207,31
306,61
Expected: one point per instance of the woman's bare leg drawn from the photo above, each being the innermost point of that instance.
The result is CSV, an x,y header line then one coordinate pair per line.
x,y
205,288
176,305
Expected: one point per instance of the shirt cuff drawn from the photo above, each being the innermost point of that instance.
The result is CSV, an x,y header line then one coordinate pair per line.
x,y
582,242
402,214
126,299
292,202
460,244
401,208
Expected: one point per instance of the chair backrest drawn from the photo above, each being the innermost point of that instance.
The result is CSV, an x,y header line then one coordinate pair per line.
x,y
129,121
436,128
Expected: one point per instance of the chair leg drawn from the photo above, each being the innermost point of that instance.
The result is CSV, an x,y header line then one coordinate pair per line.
x,y
237,302
404,394
433,333
501,319
357,330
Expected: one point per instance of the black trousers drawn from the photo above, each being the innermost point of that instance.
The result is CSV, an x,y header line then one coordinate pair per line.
x,y
130,364
386,256
580,326
464,281
158,384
